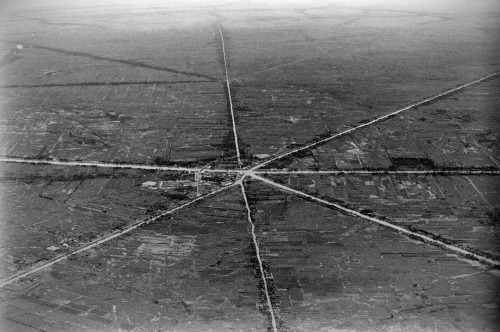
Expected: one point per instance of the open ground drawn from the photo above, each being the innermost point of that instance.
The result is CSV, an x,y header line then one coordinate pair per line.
x,y
229,166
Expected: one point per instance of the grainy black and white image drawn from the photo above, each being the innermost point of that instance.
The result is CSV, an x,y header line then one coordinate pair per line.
x,y
259,165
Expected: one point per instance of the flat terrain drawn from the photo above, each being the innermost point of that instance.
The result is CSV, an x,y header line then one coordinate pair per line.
x,y
230,166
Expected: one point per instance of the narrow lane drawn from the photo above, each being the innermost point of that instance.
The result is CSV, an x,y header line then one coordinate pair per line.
x,y
377,119
230,100
259,259
105,239
401,230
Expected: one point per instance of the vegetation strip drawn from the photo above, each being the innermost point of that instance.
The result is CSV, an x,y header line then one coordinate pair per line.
x,y
104,239
377,119
77,84
259,259
375,172
121,61
401,230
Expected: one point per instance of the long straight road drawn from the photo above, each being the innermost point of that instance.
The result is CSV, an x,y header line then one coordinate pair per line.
x,y
226,166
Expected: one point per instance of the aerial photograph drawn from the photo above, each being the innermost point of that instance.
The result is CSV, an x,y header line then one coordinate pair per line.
x,y
249,165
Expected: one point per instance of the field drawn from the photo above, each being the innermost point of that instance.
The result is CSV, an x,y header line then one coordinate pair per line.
x,y
250,166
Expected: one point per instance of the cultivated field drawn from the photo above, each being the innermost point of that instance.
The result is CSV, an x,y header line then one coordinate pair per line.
x,y
250,166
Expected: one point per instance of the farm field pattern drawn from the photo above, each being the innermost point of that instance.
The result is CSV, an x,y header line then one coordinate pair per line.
x,y
250,166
